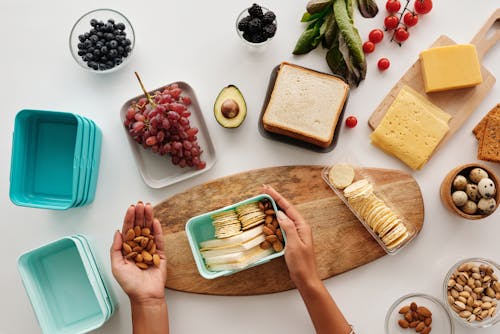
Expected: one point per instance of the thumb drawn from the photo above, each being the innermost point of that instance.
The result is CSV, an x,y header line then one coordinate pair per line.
x,y
115,251
288,227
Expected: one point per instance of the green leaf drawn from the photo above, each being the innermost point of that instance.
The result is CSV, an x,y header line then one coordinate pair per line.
x,y
311,17
305,42
348,31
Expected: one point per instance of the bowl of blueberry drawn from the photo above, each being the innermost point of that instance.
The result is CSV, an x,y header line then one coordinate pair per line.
x,y
102,40
256,25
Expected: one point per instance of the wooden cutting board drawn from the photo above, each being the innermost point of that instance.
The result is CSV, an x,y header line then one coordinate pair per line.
x,y
459,103
340,240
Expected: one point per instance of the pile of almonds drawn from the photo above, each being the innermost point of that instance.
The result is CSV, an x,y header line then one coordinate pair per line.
x,y
140,246
473,291
417,317
274,236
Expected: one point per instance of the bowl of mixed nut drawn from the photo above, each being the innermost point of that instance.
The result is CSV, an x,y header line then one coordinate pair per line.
x,y
472,292
470,191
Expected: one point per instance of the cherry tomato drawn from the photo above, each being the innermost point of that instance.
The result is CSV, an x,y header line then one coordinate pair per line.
x,y
391,22
376,36
401,34
393,6
423,6
351,121
383,64
410,19
368,47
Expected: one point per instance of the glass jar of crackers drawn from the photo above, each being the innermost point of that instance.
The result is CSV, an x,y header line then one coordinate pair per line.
x,y
357,187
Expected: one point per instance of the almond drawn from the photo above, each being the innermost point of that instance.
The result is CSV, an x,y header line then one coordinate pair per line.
x,y
278,246
426,330
275,223
145,231
141,265
153,249
269,212
413,306
130,235
139,258
144,242
408,316
156,260
279,234
131,255
414,324
267,230
268,220
131,243
126,248
271,238
404,309
137,230
265,245
146,256
261,206
137,249
428,321
403,323
420,327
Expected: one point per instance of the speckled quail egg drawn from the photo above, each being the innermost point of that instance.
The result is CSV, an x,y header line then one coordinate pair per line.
x,y
469,208
460,182
486,188
477,174
486,205
459,197
473,193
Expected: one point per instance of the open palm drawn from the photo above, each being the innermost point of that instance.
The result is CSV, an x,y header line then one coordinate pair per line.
x,y
139,284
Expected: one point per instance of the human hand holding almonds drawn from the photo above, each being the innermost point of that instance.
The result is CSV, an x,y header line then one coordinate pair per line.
x,y
139,245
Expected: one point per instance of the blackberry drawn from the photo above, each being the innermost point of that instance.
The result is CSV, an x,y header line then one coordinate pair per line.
x,y
255,11
268,18
269,30
255,25
243,24
258,38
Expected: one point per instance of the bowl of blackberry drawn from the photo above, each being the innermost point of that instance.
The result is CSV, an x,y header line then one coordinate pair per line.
x,y
102,40
256,25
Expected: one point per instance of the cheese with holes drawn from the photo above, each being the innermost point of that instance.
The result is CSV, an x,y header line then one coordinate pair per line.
x,y
411,129
450,67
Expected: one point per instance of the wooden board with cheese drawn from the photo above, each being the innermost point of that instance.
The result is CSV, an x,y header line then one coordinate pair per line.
x,y
458,103
341,242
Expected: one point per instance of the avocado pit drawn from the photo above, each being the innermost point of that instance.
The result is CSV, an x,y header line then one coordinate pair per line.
x,y
230,108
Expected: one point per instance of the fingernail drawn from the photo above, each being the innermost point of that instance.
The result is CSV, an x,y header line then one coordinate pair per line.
x,y
148,203
140,202
281,215
132,205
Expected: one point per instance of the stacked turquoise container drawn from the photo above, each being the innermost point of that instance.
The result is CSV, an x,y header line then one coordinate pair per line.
x,y
55,160
65,287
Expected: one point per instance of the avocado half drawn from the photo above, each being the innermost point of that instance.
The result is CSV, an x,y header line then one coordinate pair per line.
x,y
230,108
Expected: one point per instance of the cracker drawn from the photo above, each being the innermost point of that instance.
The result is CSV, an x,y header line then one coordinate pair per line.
x,y
479,129
341,175
398,241
489,146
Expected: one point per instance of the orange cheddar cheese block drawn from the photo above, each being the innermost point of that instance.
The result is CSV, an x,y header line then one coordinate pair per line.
x,y
450,67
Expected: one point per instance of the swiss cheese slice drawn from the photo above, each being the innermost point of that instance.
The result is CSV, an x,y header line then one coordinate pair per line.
x,y
411,129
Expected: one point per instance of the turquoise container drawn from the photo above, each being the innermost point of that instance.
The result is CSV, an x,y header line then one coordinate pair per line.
x,y
65,288
200,229
55,160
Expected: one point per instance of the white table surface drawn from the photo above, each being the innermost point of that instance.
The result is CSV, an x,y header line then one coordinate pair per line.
x,y
198,44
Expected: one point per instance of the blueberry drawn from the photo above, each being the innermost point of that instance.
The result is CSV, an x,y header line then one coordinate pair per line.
x,y
97,52
108,27
91,49
81,46
118,61
113,44
111,21
86,35
104,59
81,38
120,26
109,36
92,32
128,49
104,50
89,56
102,67
125,54
99,44
87,44
100,34
120,50
128,42
93,22
81,52
113,53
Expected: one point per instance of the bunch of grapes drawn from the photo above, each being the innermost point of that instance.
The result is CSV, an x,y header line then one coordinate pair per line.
x,y
163,126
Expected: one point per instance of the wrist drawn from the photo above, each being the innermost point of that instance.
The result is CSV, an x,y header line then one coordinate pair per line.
x,y
146,302
308,284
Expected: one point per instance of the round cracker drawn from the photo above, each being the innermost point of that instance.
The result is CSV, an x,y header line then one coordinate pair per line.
x,y
355,187
341,175
394,234
398,241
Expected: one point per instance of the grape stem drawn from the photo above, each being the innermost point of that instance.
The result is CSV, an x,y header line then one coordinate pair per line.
x,y
145,91
399,21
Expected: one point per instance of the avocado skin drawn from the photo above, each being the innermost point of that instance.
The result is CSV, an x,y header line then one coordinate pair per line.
x,y
230,92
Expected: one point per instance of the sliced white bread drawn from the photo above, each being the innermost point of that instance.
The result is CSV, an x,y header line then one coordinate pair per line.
x,y
305,104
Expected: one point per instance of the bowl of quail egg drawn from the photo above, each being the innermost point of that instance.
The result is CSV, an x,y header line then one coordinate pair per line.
x,y
470,191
